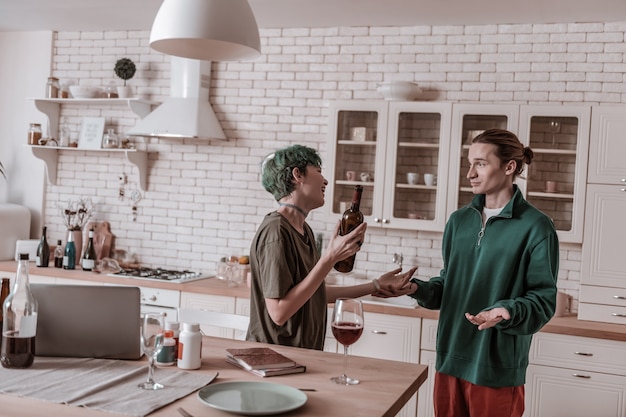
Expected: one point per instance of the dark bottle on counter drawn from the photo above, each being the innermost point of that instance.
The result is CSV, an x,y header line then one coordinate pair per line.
x,y
351,219
43,250
20,321
58,255
88,262
4,293
69,256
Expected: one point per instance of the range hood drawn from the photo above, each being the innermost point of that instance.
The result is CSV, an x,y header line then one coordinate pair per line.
x,y
187,113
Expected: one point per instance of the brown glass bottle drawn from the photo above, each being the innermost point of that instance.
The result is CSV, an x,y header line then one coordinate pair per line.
x,y
350,221
4,292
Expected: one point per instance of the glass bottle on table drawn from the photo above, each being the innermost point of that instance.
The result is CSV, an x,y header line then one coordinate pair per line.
x,y
350,220
43,250
19,323
4,293
88,261
58,255
69,256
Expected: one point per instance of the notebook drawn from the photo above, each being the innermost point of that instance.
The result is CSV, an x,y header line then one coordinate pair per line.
x,y
92,321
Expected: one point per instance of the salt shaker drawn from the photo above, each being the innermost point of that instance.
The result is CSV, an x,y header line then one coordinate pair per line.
x,y
190,347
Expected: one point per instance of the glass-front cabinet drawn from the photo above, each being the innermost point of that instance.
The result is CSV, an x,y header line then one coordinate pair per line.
x,y
555,180
399,152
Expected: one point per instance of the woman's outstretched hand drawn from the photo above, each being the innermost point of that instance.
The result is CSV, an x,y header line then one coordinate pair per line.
x,y
395,283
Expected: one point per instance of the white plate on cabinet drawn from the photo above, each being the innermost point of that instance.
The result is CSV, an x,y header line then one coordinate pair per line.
x,y
252,398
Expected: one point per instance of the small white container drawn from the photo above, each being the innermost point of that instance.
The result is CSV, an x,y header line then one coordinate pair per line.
x,y
190,347
399,90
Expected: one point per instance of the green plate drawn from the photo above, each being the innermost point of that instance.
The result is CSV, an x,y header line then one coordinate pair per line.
x,y
252,398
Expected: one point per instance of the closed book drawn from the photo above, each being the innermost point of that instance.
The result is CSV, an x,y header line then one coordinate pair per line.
x,y
297,369
260,358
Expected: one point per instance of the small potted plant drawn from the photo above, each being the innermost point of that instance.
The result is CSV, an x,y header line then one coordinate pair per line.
x,y
125,69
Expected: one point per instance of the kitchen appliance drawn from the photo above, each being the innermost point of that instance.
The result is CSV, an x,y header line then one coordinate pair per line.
x,y
160,274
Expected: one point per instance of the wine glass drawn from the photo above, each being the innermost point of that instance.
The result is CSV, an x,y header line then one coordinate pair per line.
x,y
347,326
151,344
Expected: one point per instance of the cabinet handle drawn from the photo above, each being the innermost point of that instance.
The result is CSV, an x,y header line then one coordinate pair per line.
x,y
622,189
623,180
385,221
379,332
582,376
619,297
584,354
619,315
376,220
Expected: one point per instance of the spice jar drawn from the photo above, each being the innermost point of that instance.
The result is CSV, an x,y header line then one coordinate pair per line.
x,y
34,134
110,139
52,87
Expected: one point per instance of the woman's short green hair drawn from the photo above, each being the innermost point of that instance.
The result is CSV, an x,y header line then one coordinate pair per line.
x,y
277,168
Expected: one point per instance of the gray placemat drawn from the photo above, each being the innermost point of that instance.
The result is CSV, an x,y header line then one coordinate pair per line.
x,y
101,384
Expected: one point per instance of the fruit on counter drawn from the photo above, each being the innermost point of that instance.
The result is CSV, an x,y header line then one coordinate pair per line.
x,y
241,260
244,260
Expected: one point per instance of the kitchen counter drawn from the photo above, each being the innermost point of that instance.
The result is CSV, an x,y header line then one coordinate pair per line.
x,y
569,325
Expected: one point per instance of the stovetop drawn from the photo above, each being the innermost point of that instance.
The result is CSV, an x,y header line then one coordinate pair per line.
x,y
160,274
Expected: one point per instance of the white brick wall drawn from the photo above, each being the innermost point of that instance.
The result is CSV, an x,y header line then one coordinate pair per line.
x,y
204,199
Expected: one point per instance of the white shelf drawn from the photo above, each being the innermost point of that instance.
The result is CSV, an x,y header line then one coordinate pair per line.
x,y
50,155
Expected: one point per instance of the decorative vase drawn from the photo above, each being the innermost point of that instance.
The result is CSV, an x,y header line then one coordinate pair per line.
x,y
123,91
78,243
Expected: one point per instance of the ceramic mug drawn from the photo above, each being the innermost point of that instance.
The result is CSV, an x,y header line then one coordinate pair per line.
x,y
429,179
351,175
551,186
412,178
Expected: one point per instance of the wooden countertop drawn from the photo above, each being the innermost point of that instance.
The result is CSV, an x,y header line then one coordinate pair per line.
x,y
562,325
384,389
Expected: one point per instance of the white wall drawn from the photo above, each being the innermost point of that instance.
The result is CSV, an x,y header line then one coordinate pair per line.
x,y
25,64
204,200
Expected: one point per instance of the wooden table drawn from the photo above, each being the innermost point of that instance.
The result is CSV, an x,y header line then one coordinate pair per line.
x,y
384,389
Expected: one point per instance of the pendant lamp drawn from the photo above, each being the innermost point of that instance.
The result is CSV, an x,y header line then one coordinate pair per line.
x,y
208,30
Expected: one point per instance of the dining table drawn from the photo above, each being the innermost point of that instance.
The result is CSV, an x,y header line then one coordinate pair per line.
x,y
385,385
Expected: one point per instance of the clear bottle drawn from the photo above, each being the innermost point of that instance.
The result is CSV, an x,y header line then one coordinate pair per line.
x,y
34,133
190,347
52,87
20,321
351,218
88,262
69,256
58,255
4,293
43,250
167,354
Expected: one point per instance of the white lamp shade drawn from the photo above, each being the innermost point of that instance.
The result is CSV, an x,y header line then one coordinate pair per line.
x,y
208,30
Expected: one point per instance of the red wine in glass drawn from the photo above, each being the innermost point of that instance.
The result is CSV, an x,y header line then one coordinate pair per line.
x,y
347,327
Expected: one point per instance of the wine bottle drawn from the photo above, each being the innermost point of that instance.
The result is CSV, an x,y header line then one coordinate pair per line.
x,y
4,293
20,321
58,255
69,256
88,261
350,220
43,250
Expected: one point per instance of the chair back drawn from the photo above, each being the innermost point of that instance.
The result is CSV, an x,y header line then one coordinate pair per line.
x,y
216,323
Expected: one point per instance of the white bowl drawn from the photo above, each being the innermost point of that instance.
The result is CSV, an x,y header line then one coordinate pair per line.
x,y
399,90
80,91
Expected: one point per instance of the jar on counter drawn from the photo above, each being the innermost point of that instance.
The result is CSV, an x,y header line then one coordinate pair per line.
x,y
34,134
52,87
110,139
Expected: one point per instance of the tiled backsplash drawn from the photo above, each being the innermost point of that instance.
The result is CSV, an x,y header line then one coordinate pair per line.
x,y
204,199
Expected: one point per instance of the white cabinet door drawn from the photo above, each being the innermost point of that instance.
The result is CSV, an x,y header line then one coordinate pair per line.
x,y
425,393
219,303
560,392
606,155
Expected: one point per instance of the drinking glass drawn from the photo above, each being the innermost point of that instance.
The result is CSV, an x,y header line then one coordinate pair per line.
x,y
555,127
347,326
151,344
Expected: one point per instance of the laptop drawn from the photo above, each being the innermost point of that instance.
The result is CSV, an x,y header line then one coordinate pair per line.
x,y
88,321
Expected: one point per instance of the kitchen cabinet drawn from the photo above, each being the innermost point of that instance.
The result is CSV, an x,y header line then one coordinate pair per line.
x,y
389,337
219,303
52,108
428,356
559,138
575,377
381,142
603,271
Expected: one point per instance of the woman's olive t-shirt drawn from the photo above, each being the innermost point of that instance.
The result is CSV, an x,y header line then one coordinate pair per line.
x,y
281,257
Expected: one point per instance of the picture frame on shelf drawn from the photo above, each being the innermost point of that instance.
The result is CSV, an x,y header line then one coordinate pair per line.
x,y
91,131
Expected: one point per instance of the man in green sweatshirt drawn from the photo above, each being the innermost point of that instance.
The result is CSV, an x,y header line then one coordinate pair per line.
x,y
496,289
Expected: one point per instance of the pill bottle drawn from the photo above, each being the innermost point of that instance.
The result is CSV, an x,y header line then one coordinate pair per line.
x,y
167,355
174,326
190,347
